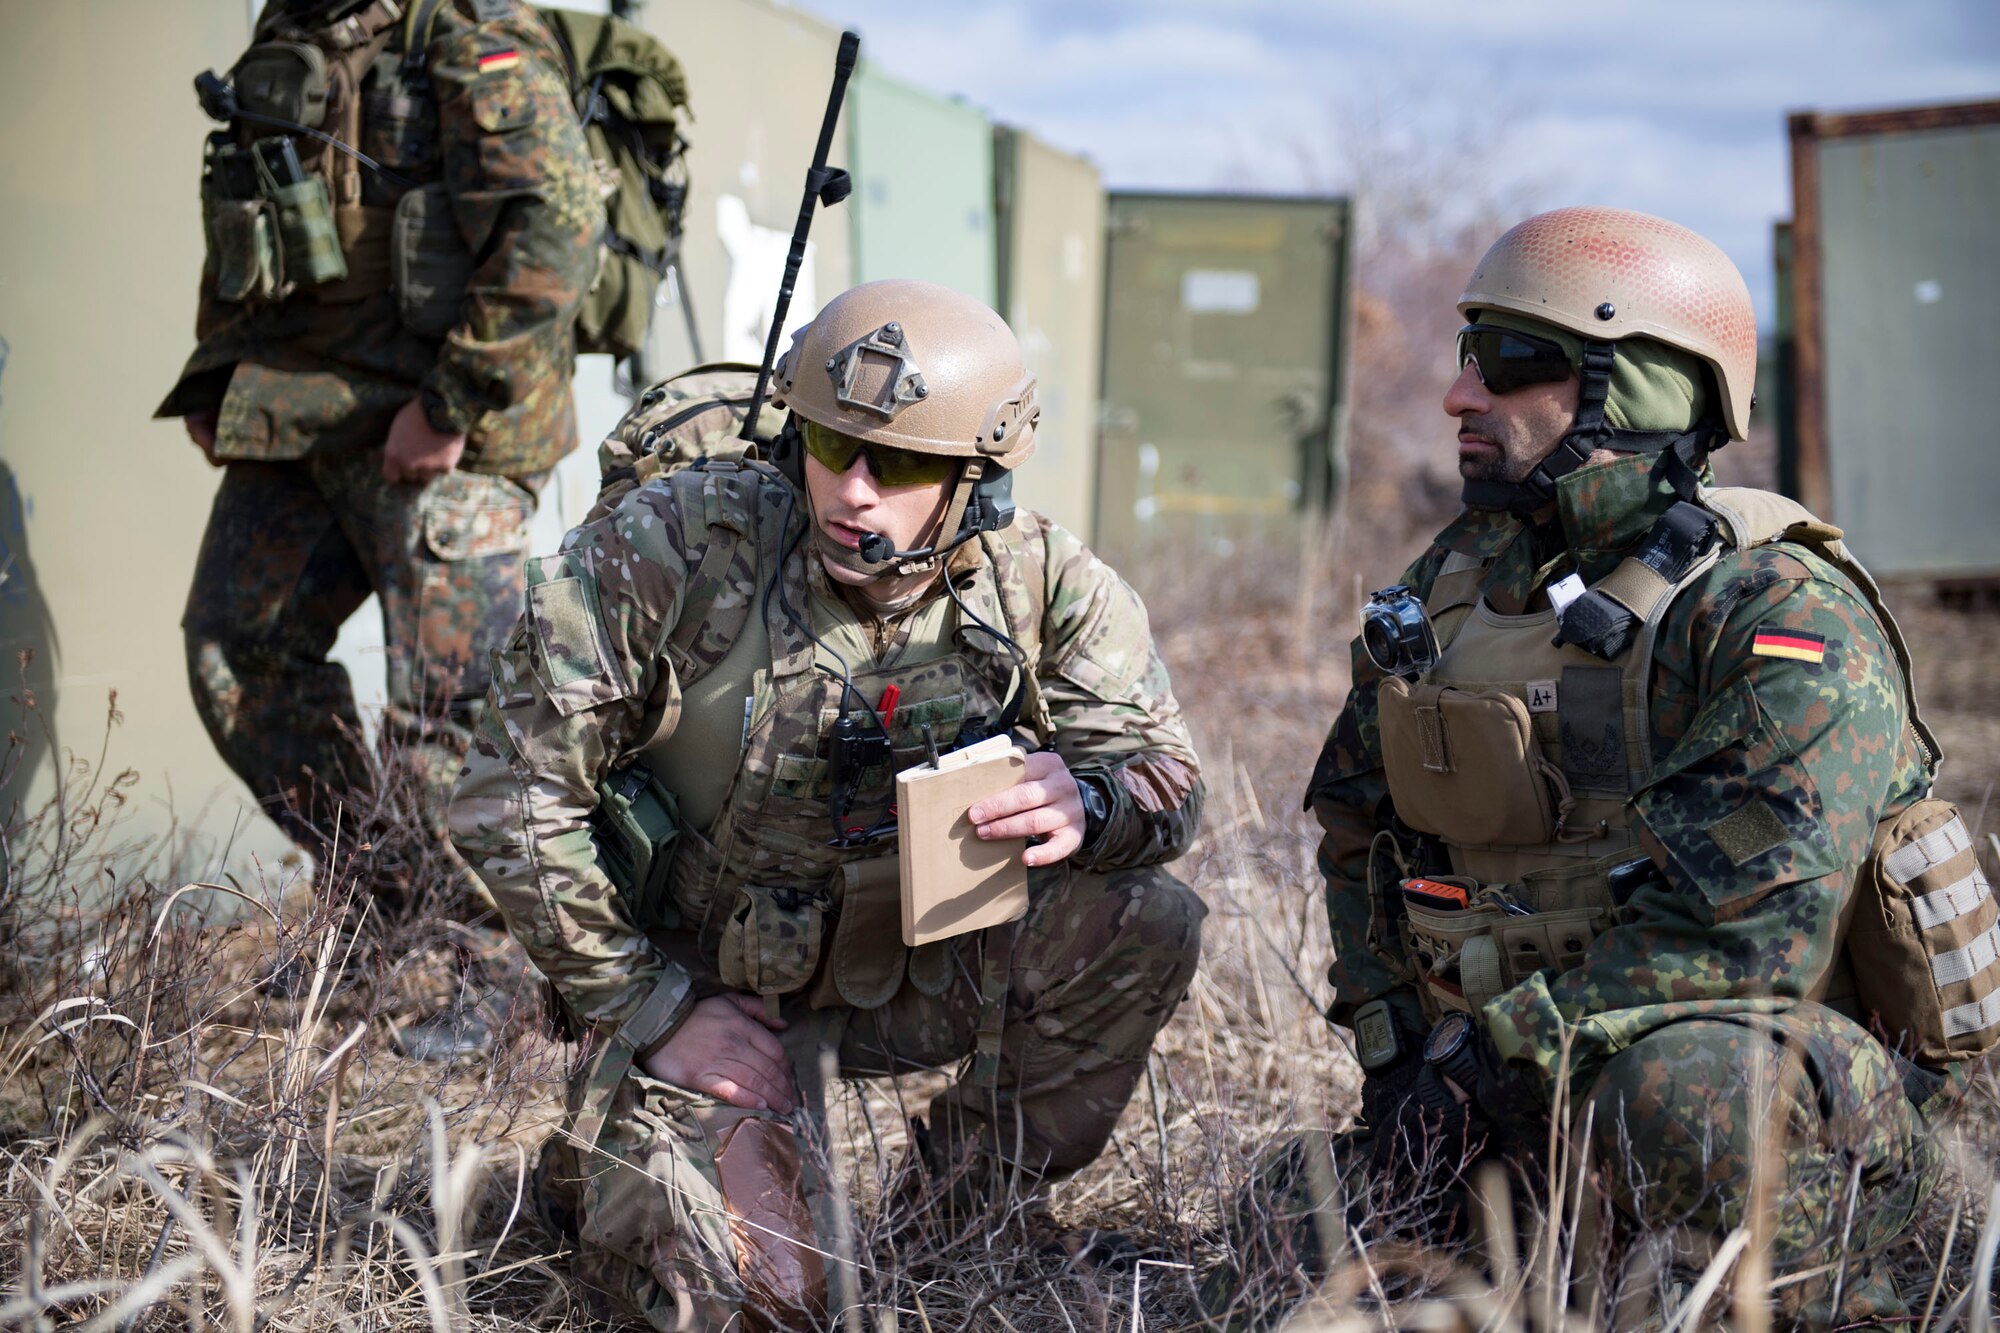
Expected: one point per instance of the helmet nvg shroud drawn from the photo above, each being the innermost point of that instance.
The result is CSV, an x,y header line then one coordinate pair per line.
x,y
1606,274
917,366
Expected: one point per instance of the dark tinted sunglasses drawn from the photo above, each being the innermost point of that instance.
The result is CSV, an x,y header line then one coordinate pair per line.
x,y
891,467
1507,359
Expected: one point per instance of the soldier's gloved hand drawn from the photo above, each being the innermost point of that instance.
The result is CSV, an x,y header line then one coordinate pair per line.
x,y
725,1048
1467,1084
417,450
1044,803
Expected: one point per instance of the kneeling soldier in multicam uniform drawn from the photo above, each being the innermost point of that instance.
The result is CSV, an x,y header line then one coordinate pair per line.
x,y
1630,801
715,685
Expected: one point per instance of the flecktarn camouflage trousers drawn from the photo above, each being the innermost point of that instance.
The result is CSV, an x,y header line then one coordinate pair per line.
x,y
690,1212
294,548
1677,1121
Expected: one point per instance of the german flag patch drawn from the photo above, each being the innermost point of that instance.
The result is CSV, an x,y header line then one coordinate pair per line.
x,y
1794,644
495,61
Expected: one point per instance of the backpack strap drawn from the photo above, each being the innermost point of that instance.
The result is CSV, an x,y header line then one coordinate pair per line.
x,y
417,25
1020,590
708,622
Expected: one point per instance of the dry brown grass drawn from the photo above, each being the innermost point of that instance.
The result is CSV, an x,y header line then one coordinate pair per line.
x,y
180,1148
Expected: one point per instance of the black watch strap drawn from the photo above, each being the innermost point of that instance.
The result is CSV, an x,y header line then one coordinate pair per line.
x,y
1092,791
1450,1050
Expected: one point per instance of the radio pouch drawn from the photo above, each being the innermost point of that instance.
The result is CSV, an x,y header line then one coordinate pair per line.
x,y
1925,939
429,262
1465,766
305,227
634,829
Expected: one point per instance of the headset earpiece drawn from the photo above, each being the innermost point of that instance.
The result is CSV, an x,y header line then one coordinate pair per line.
x,y
787,453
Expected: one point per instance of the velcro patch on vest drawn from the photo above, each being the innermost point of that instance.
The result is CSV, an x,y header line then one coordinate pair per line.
x,y
1793,644
1542,696
1749,832
1593,727
493,62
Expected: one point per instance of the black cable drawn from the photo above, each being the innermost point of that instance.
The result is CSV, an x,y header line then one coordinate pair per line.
x,y
324,138
1013,646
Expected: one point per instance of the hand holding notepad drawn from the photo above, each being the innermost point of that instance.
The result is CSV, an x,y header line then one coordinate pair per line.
x,y
953,880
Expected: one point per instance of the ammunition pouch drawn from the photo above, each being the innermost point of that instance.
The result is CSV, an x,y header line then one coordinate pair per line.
x,y
429,262
243,250
1925,938
266,239
771,939
634,828
868,962
1465,766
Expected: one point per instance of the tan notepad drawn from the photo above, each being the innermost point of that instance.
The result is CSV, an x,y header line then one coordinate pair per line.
x,y
952,881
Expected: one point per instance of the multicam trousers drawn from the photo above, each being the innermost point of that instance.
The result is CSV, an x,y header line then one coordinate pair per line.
x,y
689,1209
294,548
1676,1120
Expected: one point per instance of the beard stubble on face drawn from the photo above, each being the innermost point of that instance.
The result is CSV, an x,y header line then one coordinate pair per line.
x,y
1512,457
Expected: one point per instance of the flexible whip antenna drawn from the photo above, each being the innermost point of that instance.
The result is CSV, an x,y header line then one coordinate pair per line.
x,y
824,185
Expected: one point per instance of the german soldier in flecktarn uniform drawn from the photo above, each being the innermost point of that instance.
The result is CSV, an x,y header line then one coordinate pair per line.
x,y
1631,797
710,695
399,235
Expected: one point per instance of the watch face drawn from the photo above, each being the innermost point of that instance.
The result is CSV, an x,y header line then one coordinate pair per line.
x,y
1447,1037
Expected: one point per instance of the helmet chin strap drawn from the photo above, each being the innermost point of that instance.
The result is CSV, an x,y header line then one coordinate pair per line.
x,y
1591,432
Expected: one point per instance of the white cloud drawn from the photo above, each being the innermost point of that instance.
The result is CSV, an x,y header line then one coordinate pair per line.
x,y
1677,108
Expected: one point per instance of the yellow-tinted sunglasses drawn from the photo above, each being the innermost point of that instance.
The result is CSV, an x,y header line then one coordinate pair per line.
x,y
891,467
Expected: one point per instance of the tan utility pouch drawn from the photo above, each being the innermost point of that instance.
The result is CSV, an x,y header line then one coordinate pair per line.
x,y
1464,765
771,941
429,263
1926,937
243,240
1438,942
1470,956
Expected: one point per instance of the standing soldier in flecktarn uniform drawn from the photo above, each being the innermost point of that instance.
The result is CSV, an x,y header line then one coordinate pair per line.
x,y
398,241
1630,799
709,696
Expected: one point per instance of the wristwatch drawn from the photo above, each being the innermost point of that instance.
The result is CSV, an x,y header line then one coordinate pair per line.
x,y
1096,802
1449,1050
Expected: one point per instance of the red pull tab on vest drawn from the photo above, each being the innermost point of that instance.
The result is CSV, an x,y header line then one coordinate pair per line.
x,y
887,708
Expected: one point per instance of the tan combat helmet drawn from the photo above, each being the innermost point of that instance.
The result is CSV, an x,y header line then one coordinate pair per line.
x,y
917,366
913,365
1608,273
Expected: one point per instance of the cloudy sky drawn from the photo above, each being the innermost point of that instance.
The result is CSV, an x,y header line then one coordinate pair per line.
x,y
1677,109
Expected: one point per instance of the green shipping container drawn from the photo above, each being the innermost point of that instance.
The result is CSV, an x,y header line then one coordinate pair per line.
x,y
1894,277
1049,208
1225,345
923,185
